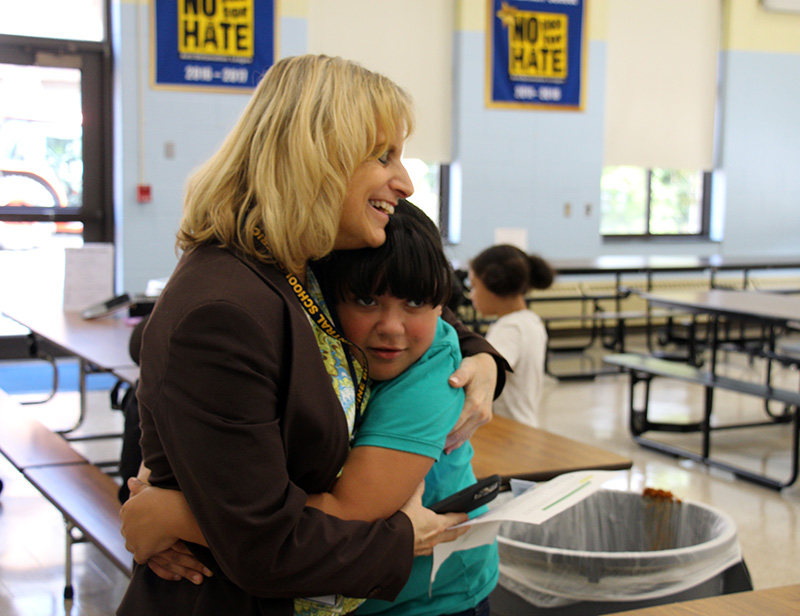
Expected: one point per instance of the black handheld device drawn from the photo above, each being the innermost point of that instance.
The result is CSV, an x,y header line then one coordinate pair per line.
x,y
471,497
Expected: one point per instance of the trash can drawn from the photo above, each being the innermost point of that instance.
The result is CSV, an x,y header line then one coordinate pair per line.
x,y
617,551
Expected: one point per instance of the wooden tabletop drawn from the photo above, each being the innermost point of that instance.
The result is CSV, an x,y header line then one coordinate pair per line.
x,y
102,342
513,450
779,601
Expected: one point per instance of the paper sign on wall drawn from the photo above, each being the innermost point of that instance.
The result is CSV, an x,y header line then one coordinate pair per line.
x,y
88,275
515,236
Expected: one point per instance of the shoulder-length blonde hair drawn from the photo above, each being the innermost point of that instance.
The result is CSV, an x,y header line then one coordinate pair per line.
x,y
285,166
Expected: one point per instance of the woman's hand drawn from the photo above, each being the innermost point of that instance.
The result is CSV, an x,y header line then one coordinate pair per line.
x,y
478,376
430,528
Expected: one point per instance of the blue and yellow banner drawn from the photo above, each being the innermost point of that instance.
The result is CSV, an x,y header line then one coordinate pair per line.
x,y
535,54
212,44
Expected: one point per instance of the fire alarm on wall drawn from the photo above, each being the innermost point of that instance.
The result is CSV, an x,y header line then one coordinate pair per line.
x,y
144,193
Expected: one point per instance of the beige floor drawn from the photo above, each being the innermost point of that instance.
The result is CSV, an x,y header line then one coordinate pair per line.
x,y
768,522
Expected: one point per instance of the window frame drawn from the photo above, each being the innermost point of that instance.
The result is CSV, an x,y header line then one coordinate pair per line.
x,y
94,60
705,217
444,203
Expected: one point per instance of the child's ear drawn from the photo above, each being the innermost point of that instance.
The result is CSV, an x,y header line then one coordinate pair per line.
x,y
439,310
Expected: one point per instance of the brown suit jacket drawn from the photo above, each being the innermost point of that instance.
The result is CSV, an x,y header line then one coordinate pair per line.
x,y
238,412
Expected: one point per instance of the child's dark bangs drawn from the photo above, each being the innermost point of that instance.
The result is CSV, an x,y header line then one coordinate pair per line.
x,y
410,264
403,267
395,270
415,271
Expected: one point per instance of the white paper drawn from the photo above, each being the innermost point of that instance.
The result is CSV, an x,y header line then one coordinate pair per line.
x,y
88,275
545,500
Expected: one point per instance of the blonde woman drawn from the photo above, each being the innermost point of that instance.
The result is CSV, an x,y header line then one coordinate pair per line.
x,y
248,394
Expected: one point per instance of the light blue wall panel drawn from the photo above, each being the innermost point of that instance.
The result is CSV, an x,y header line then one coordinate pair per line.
x,y
520,167
761,153
293,37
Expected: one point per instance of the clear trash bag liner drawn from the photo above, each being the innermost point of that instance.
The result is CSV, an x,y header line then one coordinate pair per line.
x,y
616,546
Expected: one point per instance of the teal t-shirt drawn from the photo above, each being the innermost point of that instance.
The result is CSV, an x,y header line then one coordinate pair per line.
x,y
414,412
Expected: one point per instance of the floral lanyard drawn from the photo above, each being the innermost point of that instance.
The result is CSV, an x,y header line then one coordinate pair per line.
x,y
318,317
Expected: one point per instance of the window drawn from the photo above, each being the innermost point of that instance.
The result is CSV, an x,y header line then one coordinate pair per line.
x,y
638,202
55,172
660,117
431,190
41,138
77,20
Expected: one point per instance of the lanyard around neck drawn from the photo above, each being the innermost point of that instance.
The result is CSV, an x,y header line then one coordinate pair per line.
x,y
320,320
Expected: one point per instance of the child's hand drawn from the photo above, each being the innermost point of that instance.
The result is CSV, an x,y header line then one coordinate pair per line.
x,y
142,519
146,530
178,562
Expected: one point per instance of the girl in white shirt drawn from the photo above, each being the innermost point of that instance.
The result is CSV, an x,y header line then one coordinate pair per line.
x,y
500,277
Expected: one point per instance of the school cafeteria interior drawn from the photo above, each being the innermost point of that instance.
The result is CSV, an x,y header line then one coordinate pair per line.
x,y
647,150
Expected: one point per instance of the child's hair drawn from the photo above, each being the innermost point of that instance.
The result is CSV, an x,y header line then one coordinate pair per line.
x,y
410,264
506,270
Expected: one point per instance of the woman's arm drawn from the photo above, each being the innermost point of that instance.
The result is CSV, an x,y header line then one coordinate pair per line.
x,y
477,376
375,481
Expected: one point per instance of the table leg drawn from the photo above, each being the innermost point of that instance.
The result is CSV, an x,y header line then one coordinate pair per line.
x,y
83,368
706,426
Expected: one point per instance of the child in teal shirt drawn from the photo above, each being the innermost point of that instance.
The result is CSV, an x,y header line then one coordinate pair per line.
x,y
388,301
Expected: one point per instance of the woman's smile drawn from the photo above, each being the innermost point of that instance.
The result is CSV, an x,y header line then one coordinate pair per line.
x,y
372,193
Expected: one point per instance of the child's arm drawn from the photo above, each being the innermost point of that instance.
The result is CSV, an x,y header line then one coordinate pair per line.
x,y
375,482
